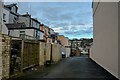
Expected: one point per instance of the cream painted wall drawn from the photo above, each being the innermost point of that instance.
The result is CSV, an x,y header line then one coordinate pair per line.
x,y
26,20
95,6
105,46
29,32
4,29
41,36
68,52
16,33
119,40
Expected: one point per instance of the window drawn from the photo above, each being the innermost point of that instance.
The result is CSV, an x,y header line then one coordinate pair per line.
x,y
4,16
22,34
36,33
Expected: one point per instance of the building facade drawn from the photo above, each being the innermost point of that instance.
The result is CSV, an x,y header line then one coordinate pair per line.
x,y
63,40
15,21
105,39
10,14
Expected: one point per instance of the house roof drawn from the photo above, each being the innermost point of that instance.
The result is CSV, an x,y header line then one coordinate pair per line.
x,y
25,15
8,7
14,26
11,5
35,20
46,27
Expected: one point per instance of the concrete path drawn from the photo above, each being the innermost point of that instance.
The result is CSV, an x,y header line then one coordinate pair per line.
x,y
73,67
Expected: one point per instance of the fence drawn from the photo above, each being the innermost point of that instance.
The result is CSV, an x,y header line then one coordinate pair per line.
x,y
49,53
68,51
56,55
17,55
42,54
5,56
0,57
30,53
48,50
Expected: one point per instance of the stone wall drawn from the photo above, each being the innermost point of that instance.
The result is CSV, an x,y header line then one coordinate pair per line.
x,y
30,54
0,57
42,54
56,55
6,40
48,52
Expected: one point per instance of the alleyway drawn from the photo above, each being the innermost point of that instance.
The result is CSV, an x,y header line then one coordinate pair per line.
x,y
73,67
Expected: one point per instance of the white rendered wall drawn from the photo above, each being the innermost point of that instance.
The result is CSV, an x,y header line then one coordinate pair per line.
x,y
105,46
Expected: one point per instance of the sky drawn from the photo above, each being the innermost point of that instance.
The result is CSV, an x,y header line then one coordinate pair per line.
x,y
71,19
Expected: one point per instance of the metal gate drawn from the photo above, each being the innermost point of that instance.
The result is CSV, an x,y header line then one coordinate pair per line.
x,y
15,57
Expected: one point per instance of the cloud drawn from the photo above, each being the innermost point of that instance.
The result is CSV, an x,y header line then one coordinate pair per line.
x,y
57,29
75,30
69,19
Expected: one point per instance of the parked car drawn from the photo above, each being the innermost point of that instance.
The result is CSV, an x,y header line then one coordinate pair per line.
x,y
63,55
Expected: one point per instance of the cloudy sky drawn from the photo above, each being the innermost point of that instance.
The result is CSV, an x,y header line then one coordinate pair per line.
x,y
71,19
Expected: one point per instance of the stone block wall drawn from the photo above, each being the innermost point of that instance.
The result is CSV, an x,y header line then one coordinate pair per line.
x,y
5,56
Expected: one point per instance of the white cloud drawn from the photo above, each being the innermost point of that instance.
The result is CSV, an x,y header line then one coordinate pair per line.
x,y
58,29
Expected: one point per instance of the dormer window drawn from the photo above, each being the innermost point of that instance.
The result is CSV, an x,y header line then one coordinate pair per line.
x,y
14,9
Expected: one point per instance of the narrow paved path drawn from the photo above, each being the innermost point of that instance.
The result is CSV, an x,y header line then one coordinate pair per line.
x,y
73,67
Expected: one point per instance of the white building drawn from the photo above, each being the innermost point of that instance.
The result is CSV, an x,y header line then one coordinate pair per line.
x,y
10,14
20,30
26,19
3,28
105,39
20,25
31,23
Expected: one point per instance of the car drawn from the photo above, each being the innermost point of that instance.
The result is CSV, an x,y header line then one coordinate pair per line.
x,y
63,55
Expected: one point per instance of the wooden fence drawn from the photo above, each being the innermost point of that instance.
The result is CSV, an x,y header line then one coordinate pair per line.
x,y
17,55
30,53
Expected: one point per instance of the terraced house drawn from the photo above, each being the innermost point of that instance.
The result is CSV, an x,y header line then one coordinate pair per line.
x,y
23,26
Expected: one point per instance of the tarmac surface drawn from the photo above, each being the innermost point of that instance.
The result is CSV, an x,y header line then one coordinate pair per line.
x,y
69,68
